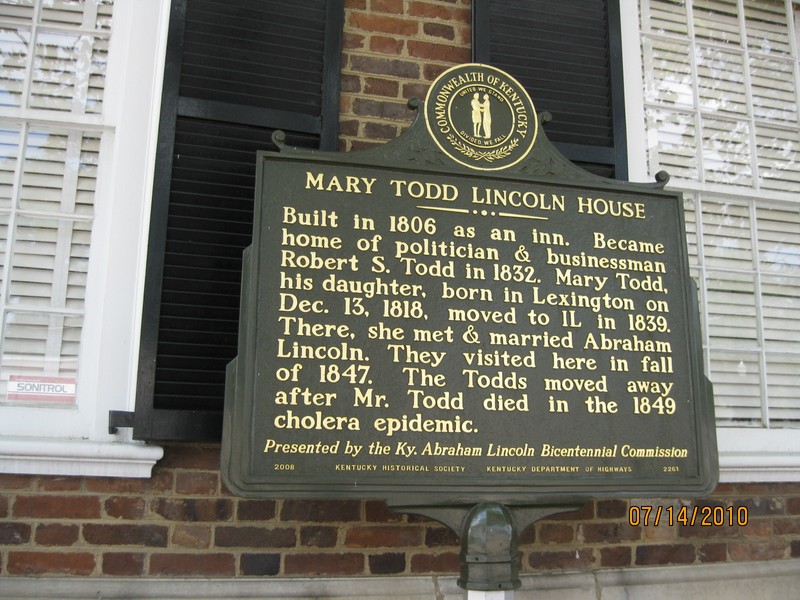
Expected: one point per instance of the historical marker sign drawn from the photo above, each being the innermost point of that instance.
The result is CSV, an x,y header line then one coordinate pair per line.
x,y
464,320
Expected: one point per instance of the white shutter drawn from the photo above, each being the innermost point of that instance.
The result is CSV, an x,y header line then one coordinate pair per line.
x,y
672,143
716,21
767,30
779,257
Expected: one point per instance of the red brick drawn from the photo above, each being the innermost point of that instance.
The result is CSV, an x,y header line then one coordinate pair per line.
x,y
355,4
57,507
555,533
15,482
783,526
612,509
324,564
319,536
440,52
711,553
699,531
415,90
50,563
446,562
527,535
435,11
383,536
571,559
125,507
193,564
260,564
374,86
126,535
194,509
59,484
793,505
386,45
321,511
390,563
382,24
763,506
179,456
363,145
350,83
608,533
664,532
376,511
14,534
187,535
665,554
256,510
3,507
348,127
161,481
772,489
795,549
352,41
56,534
254,537
438,30
379,131
724,489
196,483
385,109
431,71
402,69
440,536
386,6
752,551
615,556
123,564
759,527
791,487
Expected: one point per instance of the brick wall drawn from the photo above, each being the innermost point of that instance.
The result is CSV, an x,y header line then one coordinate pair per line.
x,y
183,522
393,50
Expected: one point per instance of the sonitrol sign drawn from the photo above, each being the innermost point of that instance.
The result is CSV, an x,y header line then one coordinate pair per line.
x,y
463,315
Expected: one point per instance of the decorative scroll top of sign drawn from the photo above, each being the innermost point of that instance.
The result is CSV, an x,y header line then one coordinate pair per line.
x,y
481,117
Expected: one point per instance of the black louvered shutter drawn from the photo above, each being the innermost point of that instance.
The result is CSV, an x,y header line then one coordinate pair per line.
x,y
236,71
567,54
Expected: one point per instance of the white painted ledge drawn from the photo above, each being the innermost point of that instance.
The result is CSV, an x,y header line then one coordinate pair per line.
x,y
758,455
728,581
31,456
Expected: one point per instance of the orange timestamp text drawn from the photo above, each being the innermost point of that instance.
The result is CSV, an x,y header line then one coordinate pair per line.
x,y
648,515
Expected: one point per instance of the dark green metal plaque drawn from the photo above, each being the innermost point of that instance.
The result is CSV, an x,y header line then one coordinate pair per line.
x,y
479,321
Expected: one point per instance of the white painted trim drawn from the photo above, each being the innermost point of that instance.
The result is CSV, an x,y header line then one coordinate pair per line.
x,y
77,457
728,581
751,455
632,76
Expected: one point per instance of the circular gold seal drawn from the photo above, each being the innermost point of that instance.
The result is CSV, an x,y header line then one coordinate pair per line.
x,y
481,117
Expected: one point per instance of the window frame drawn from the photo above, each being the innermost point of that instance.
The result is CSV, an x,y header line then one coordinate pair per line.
x,y
76,440
746,454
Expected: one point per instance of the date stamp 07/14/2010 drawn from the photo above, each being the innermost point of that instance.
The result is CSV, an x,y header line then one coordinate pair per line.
x,y
648,515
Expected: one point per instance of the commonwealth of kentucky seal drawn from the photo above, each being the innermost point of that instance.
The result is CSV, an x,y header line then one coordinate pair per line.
x,y
481,117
